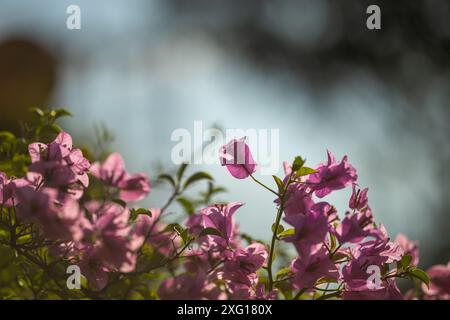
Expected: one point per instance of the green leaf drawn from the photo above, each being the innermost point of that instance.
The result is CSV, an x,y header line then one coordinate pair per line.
x,y
283,273
325,280
338,256
48,128
298,163
37,111
174,227
58,113
168,178
185,236
333,242
211,232
187,205
197,177
404,262
135,212
280,228
120,202
304,171
181,170
286,233
421,275
6,135
279,183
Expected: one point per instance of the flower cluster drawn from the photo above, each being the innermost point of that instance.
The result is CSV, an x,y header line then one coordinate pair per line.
x,y
62,208
98,235
348,257
218,264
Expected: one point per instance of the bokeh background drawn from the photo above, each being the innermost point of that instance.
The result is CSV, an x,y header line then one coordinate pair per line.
x,y
310,68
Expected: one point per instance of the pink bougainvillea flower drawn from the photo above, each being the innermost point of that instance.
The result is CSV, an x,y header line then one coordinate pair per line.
x,y
60,220
8,188
327,209
110,172
55,173
91,266
247,260
58,163
34,204
439,283
298,200
219,217
356,278
4,192
308,268
260,293
409,247
331,176
140,230
310,228
132,187
199,259
114,242
287,168
61,147
150,228
355,227
190,287
359,199
237,158
79,166
56,150
388,291
378,252
67,224
239,270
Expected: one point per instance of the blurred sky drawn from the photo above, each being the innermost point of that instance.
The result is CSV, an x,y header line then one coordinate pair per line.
x,y
146,68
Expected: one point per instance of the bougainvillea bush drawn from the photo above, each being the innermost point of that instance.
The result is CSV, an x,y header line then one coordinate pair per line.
x,y
65,209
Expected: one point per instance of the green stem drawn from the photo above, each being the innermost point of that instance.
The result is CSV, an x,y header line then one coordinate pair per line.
x,y
299,294
272,246
274,234
264,186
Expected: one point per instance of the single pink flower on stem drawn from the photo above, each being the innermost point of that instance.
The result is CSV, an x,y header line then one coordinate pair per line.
x,y
331,176
237,158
